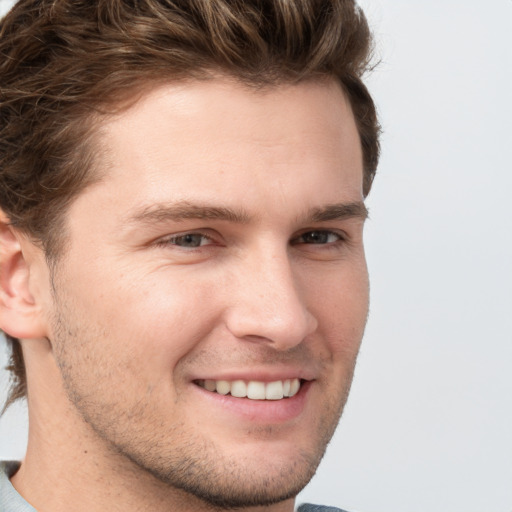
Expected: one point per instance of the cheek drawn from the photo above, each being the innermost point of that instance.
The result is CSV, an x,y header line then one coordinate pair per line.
x,y
146,321
161,318
342,311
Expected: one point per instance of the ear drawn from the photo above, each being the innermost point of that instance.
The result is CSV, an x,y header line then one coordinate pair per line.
x,y
20,313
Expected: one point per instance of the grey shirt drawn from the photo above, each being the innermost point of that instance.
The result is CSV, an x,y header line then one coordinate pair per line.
x,y
11,501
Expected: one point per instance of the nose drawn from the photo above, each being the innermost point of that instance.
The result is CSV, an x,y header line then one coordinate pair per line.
x,y
267,303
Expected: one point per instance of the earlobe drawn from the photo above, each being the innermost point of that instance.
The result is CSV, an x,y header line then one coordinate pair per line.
x,y
20,314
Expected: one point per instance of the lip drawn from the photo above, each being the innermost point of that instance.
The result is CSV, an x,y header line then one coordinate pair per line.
x,y
262,412
263,375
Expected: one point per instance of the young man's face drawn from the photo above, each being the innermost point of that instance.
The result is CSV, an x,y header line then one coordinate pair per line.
x,y
223,249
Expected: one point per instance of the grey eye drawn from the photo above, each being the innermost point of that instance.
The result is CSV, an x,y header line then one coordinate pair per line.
x,y
318,237
189,240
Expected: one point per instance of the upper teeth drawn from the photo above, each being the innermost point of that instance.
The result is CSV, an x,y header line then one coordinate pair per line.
x,y
255,390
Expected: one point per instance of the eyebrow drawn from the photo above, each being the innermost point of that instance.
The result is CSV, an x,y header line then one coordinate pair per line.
x,y
339,212
184,210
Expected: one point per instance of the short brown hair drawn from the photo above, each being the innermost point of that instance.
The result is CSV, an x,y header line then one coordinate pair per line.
x,y
64,62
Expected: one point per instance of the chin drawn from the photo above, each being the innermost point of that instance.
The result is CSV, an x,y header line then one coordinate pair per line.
x,y
259,475
249,484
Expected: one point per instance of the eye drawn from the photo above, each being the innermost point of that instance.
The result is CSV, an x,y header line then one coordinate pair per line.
x,y
319,237
188,240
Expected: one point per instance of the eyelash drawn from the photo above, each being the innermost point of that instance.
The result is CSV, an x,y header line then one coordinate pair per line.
x,y
340,239
322,233
172,240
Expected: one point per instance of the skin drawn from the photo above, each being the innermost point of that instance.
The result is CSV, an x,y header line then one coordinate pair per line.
x,y
269,283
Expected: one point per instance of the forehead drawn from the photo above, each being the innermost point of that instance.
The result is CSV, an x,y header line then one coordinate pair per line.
x,y
223,107
226,102
218,141
190,125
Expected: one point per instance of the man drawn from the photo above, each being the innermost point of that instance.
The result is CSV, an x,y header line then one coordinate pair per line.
x,y
183,280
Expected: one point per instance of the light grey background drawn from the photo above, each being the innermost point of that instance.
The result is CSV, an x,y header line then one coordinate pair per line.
x,y
429,422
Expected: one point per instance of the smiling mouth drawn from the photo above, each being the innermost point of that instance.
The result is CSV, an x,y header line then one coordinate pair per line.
x,y
254,390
